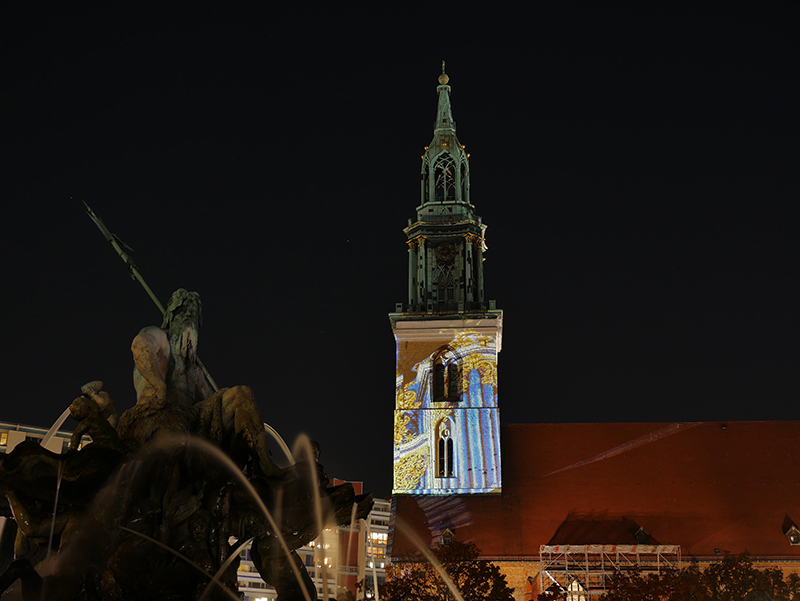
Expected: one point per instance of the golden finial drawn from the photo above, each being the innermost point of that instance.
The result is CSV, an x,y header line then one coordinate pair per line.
x,y
443,79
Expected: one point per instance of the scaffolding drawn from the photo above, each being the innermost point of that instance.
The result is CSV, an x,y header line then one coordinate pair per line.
x,y
583,571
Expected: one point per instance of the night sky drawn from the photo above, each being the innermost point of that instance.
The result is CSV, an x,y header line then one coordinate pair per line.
x,y
637,168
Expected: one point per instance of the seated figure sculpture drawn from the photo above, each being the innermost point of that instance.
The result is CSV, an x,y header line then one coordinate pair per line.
x,y
130,514
174,395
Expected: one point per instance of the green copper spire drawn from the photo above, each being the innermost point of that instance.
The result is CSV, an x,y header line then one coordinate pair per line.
x,y
444,116
446,239
445,165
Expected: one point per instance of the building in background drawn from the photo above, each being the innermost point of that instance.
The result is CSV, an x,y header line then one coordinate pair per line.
x,y
447,421
555,506
10,436
13,434
342,556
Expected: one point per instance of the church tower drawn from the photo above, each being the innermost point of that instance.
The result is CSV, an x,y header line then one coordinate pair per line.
x,y
446,422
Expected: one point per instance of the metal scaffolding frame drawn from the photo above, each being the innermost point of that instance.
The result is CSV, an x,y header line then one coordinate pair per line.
x,y
583,570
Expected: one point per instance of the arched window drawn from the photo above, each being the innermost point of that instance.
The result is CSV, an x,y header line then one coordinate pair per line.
x,y
445,455
453,381
445,376
444,178
438,381
445,284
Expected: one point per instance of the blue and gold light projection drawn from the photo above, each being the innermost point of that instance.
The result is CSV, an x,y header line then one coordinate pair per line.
x,y
447,423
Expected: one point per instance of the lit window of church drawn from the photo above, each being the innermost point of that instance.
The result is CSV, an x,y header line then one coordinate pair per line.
x,y
446,377
445,454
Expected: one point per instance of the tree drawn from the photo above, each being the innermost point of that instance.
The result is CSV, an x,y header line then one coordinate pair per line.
x,y
732,579
417,580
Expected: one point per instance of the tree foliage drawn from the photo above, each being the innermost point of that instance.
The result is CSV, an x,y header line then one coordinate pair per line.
x,y
732,579
417,580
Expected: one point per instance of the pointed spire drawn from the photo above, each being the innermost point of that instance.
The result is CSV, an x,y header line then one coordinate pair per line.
x,y
446,239
444,115
445,164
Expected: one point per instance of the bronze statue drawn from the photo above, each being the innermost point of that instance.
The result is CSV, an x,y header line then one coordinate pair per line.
x,y
173,394
96,416
146,511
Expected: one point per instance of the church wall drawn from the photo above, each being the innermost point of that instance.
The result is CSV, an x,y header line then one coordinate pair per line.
x,y
461,412
698,485
517,574
523,575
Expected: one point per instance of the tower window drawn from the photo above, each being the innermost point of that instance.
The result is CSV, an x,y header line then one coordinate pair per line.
x,y
438,381
445,284
444,179
453,381
445,460
445,376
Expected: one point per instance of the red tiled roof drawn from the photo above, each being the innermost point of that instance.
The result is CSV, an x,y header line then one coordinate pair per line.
x,y
703,486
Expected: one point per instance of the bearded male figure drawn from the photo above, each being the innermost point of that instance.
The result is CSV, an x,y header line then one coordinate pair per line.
x,y
174,395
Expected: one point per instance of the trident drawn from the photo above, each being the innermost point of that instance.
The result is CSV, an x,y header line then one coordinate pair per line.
x,y
117,244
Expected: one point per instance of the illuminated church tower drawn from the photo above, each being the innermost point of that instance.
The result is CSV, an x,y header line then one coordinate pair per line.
x,y
446,422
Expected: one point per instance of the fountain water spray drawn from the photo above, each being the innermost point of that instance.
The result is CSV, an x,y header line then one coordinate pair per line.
x,y
205,446
180,555
304,447
374,561
281,443
425,550
352,528
54,428
55,508
225,566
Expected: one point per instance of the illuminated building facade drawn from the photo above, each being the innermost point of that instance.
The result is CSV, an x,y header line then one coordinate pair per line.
x,y
446,422
576,501
13,434
342,557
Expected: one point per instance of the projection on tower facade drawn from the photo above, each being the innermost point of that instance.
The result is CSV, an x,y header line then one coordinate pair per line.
x,y
446,419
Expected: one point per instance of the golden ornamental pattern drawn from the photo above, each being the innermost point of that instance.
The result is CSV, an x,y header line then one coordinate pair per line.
x,y
409,469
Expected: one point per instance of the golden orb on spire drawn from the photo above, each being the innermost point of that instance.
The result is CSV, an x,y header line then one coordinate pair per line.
x,y
443,79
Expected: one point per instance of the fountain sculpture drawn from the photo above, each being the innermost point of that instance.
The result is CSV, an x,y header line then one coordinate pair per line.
x,y
155,506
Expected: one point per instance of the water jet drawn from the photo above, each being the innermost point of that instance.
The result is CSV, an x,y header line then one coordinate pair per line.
x,y
148,510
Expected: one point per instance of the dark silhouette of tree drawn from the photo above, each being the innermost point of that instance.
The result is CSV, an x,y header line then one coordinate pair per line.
x,y
733,578
417,580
